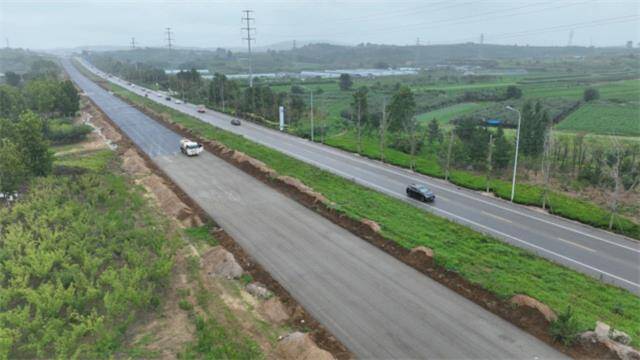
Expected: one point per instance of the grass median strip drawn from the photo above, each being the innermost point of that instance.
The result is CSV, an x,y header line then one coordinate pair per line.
x,y
498,267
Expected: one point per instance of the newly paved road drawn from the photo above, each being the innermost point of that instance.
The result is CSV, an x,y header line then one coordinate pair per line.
x,y
612,258
377,306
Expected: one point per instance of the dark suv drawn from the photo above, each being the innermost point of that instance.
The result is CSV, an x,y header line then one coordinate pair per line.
x,y
420,192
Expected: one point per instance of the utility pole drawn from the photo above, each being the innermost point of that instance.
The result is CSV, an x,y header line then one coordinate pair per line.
x,y
247,19
7,41
446,172
570,42
133,43
489,162
383,128
169,39
515,162
312,130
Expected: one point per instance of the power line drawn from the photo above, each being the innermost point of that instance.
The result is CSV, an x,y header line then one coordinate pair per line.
x,y
169,38
247,19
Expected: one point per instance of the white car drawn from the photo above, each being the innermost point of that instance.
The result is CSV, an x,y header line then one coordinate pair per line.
x,y
178,102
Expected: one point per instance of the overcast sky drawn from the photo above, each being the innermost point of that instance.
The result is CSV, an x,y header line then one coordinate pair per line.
x,y
54,24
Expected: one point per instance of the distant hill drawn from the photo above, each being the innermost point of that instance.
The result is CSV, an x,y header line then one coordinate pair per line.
x,y
315,56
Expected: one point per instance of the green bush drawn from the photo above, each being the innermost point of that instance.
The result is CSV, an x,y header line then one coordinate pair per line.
x,y
62,131
185,305
566,328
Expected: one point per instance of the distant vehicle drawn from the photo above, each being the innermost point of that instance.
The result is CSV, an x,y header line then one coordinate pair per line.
x,y
420,192
178,102
146,95
235,122
159,95
129,83
190,148
201,109
168,98
111,92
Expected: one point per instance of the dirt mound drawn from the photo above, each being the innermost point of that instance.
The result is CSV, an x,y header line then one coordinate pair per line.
x,y
374,226
299,346
526,301
255,165
299,186
169,202
274,311
421,256
134,164
219,262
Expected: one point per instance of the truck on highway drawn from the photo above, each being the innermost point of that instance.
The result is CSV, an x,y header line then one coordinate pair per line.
x,y
190,148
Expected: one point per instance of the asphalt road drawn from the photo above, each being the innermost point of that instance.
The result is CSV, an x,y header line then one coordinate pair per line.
x,y
612,258
377,306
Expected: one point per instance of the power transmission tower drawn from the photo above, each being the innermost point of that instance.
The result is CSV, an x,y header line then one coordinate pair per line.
x,y
570,42
133,43
247,19
169,39
481,38
7,41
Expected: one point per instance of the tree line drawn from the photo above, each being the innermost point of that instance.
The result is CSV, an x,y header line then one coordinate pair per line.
x,y
31,107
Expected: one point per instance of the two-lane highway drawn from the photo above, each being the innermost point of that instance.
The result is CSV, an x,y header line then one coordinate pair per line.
x,y
604,255
376,305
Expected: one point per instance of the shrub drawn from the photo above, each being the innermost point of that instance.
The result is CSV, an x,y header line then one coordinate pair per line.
x,y
185,305
591,94
62,133
566,329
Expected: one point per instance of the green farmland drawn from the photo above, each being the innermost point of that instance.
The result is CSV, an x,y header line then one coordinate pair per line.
x,y
604,118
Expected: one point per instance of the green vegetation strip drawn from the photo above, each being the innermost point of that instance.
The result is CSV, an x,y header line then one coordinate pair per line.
x,y
80,256
498,267
559,204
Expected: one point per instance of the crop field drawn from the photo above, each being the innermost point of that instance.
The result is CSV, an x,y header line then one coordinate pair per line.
x,y
444,115
604,118
625,90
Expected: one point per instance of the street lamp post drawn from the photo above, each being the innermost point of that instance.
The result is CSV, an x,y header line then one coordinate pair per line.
x,y
515,162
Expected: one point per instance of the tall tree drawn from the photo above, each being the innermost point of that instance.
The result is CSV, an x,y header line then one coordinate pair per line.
x,y
433,132
30,140
535,121
345,82
13,170
402,116
12,78
502,151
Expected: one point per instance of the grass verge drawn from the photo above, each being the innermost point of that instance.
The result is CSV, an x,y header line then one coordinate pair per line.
x,y
498,267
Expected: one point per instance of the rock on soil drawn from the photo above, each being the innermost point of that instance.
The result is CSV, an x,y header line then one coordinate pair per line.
x,y
527,301
300,346
623,352
219,262
274,311
258,290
